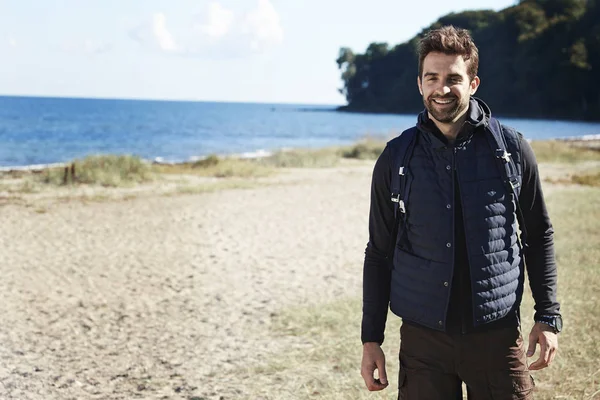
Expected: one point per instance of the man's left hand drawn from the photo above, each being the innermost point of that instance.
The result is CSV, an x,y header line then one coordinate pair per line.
x,y
548,340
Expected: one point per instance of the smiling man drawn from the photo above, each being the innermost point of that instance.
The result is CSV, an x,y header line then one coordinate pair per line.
x,y
444,251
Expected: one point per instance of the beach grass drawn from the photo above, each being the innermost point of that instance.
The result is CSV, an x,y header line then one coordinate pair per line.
x,y
328,366
366,149
302,158
218,167
103,170
230,167
588,179
562,152
116,171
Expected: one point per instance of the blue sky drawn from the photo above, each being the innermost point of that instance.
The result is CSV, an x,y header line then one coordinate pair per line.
x,y
221,50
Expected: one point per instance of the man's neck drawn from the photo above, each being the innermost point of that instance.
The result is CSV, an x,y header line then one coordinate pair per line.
x,y
451,129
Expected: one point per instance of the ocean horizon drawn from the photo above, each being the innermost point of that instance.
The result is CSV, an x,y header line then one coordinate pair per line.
x,y
49,130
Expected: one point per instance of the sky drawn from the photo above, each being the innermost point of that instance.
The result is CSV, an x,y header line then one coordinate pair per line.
x,y
268,51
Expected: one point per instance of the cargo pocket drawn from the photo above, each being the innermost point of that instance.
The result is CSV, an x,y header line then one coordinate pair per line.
x,y
402,394
513,385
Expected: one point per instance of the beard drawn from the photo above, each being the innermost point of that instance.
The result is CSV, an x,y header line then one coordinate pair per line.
x,y
446,114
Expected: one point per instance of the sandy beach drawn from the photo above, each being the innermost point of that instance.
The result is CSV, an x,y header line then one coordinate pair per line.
x,y
185,191
168,296
160,291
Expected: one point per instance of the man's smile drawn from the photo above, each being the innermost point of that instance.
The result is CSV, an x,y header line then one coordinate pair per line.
x,y
443,101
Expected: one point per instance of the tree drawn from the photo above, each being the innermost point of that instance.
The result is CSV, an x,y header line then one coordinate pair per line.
x,y
537,58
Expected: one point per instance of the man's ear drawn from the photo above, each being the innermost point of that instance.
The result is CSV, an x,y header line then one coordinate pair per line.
x,y
420,85
475,85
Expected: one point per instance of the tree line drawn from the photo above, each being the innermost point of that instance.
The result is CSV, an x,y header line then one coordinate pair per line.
x,y
538,58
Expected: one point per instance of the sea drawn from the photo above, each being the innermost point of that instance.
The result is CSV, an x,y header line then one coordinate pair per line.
x,y
40,130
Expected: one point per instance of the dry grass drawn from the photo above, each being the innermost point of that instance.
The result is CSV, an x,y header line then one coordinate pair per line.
x,y
218,167
327,366
103,170
367,149
591,179
576,375
112,171
229,167
556,151
302,158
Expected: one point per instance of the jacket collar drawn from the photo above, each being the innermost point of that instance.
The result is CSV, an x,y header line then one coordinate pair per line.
x,y
478,116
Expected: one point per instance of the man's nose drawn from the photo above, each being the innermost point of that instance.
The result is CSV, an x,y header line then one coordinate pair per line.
x,y
445,90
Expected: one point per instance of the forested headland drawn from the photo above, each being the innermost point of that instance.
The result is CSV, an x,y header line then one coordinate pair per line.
x,y
538,59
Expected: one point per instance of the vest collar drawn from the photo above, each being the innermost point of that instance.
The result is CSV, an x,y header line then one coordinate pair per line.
x,y
478,115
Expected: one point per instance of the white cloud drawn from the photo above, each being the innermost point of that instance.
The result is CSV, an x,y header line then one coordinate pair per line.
x,y
163,37
217,32
219,21
12,42
263,25
155,34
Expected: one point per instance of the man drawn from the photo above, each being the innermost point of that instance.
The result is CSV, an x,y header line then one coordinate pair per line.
x,y
453,267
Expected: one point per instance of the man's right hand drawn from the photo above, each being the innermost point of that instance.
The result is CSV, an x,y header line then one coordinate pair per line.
x,y
373,359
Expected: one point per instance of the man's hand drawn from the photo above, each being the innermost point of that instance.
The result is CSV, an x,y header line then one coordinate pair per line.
x,y
373,359
548,340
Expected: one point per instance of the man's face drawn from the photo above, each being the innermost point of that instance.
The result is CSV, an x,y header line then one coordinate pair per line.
x,y
446,87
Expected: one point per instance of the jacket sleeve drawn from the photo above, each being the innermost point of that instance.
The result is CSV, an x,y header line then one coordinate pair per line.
x,y
376,271
539,256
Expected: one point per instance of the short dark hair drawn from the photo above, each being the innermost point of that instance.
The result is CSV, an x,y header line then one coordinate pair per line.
x,y
452,41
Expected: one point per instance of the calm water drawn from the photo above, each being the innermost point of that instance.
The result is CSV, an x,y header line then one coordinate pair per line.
x,y
49,130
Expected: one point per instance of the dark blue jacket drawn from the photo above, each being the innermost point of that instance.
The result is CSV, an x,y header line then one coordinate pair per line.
x,y
423,262
480,249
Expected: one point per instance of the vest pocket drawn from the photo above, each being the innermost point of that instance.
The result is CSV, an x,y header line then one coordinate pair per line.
x,y
419,287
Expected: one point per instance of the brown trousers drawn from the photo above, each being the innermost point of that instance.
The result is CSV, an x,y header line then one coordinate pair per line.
x,y
492,364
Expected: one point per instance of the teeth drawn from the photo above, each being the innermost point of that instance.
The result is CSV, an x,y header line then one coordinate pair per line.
x,y
443,101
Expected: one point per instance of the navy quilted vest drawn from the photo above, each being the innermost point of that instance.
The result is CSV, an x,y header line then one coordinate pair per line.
x,y
424,254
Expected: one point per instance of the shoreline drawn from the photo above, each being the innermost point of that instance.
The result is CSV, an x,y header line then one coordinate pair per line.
x,y
590,140
156,161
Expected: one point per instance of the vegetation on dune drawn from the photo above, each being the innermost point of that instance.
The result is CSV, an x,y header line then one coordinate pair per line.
x,y
125,171
218,167
591,179
555,151
368,149
537,59
103,170
302,158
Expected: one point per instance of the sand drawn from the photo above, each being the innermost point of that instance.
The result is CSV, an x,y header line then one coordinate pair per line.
x,y
172,296
169,297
